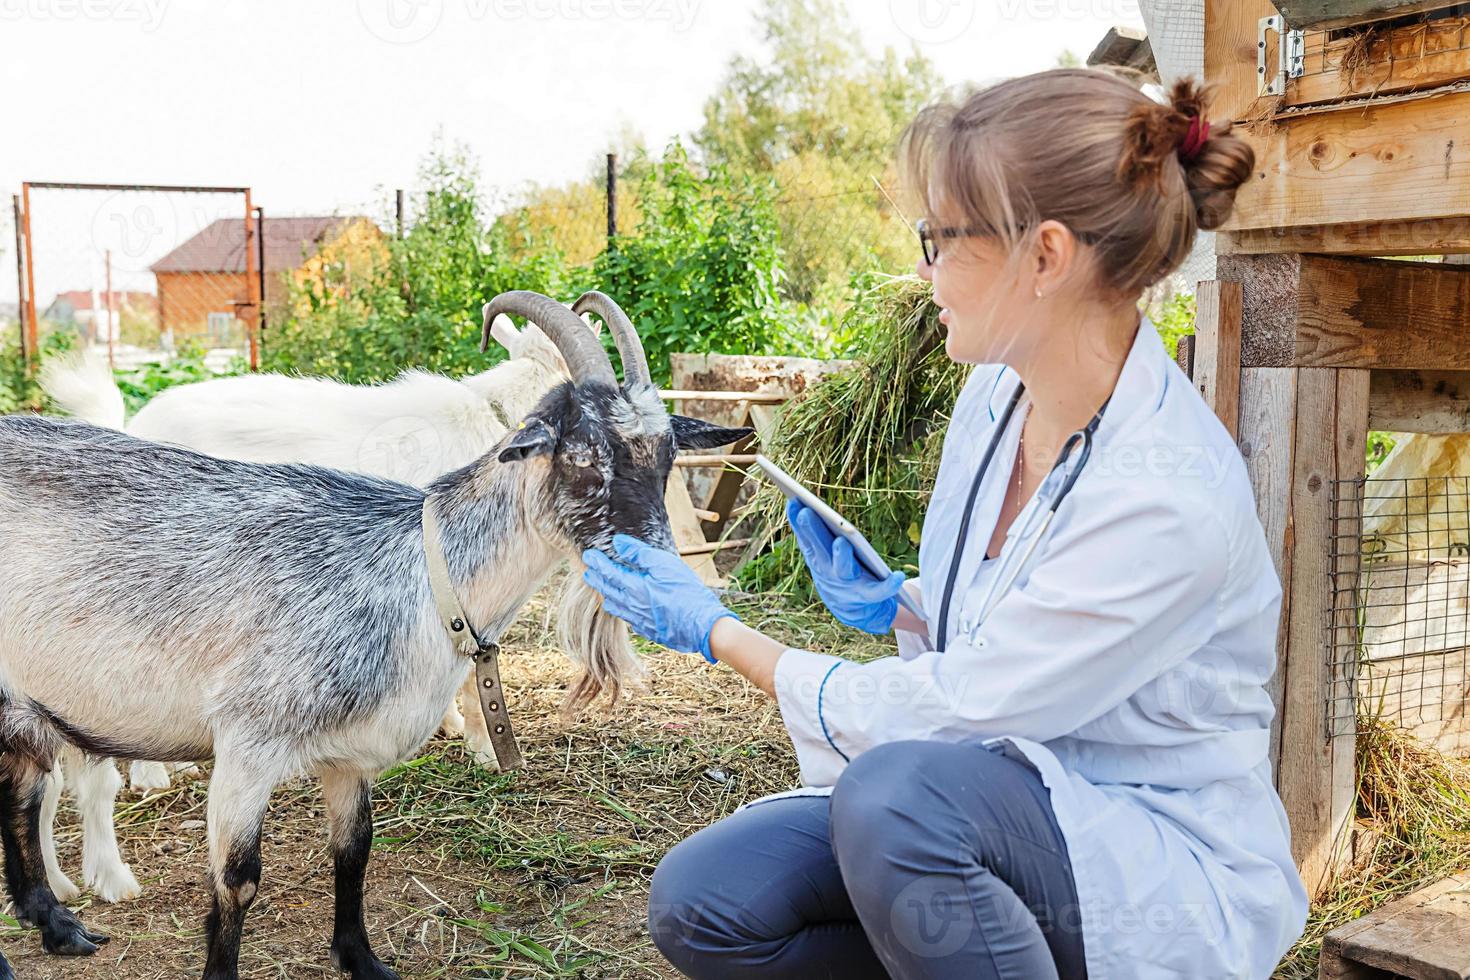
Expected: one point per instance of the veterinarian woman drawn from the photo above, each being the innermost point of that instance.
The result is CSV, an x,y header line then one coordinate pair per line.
x,y
1064,770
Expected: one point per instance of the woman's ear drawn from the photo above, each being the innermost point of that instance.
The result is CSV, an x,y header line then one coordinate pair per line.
x,y
1056,254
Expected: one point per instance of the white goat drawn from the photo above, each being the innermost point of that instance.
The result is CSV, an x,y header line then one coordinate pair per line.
x,y
414,429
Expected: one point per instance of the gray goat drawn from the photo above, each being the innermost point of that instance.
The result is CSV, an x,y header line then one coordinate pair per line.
x,y
160,604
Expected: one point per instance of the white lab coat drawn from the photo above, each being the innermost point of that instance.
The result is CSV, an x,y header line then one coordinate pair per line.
x,y
1127,663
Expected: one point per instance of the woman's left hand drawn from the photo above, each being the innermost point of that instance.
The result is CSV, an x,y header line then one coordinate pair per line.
x,y
656,594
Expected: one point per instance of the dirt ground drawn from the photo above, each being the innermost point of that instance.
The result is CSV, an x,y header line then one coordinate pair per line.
x,y
538,873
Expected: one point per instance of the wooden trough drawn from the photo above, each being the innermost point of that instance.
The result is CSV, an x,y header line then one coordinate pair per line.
x,y
1421,936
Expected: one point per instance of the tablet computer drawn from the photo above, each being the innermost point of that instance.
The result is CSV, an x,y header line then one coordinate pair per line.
x,y
837,524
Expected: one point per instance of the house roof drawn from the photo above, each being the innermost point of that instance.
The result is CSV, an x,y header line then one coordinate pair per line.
x,y
220,247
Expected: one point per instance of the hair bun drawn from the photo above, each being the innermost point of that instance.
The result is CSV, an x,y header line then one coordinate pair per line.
x,y
1216,165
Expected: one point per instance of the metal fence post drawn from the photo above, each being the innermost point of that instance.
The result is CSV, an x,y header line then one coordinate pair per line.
x,y
260,268
612,197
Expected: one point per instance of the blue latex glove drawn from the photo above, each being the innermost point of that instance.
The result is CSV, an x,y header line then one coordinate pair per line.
x,y
853,594
656,594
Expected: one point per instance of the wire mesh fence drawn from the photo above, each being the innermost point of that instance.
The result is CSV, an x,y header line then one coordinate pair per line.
x,y
1399,616
140,271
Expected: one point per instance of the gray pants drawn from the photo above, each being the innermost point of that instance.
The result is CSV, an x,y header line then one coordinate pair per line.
x,y
928,860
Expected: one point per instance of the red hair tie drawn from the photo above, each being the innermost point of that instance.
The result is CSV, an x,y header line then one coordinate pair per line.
x,y
1194,139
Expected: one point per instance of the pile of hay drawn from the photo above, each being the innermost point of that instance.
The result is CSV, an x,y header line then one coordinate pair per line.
x,y
866,440
1413,828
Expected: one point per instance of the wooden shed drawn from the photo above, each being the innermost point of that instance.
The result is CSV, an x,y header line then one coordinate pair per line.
x,y
1359,113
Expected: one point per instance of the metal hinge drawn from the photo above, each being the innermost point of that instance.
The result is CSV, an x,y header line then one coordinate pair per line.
x,y
1291,55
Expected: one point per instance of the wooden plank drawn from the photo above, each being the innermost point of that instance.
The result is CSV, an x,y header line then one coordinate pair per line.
x,y
1404,161
1217,349
1322,14
1419,401
1336,311
687,532
1230,54
760,397
1331,409
1423,935
1267,403
1421,56
716,459
1420,236
1127,47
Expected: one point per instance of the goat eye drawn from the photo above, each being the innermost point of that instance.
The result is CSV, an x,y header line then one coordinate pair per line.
x,y
582,459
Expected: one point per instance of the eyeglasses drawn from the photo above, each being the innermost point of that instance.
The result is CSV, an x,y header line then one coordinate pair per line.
x,y
929,237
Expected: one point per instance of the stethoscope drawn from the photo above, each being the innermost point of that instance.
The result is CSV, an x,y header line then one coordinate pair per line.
x,y
1069,478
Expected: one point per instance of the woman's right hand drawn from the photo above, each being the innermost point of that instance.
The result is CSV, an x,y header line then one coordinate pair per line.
x,y
855,596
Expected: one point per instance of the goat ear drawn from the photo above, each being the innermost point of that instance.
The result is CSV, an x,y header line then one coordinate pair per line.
x,y
504,331
533,438
698,434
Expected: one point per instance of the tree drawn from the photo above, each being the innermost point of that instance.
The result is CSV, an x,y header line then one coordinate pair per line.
x,y
823,114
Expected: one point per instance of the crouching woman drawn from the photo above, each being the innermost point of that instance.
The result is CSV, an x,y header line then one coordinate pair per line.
x,y
1063,772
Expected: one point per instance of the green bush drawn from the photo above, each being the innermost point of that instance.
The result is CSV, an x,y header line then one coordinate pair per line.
x,y
140,385
703,272
18,392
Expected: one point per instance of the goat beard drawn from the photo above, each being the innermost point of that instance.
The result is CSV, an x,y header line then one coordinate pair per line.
x,y
597,642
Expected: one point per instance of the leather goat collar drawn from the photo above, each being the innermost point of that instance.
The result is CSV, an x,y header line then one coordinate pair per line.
x,y
485,653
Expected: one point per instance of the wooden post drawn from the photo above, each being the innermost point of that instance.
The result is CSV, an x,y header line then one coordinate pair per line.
x,y
1216,351
252,288
1267,401
1303,427
32,328
20,273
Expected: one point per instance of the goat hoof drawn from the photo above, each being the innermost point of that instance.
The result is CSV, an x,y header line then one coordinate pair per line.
x,y
452,724
359,963
63,934
114,883
148,777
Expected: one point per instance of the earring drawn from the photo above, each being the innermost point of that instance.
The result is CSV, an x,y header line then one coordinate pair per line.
x,y
1038,292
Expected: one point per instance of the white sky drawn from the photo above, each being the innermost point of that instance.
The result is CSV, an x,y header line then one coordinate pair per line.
x,y
323,106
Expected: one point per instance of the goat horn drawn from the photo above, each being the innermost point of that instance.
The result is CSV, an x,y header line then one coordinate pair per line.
x,y
630,347
584,355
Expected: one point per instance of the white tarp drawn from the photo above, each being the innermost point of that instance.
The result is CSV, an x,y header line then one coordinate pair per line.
x,y
1415,587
